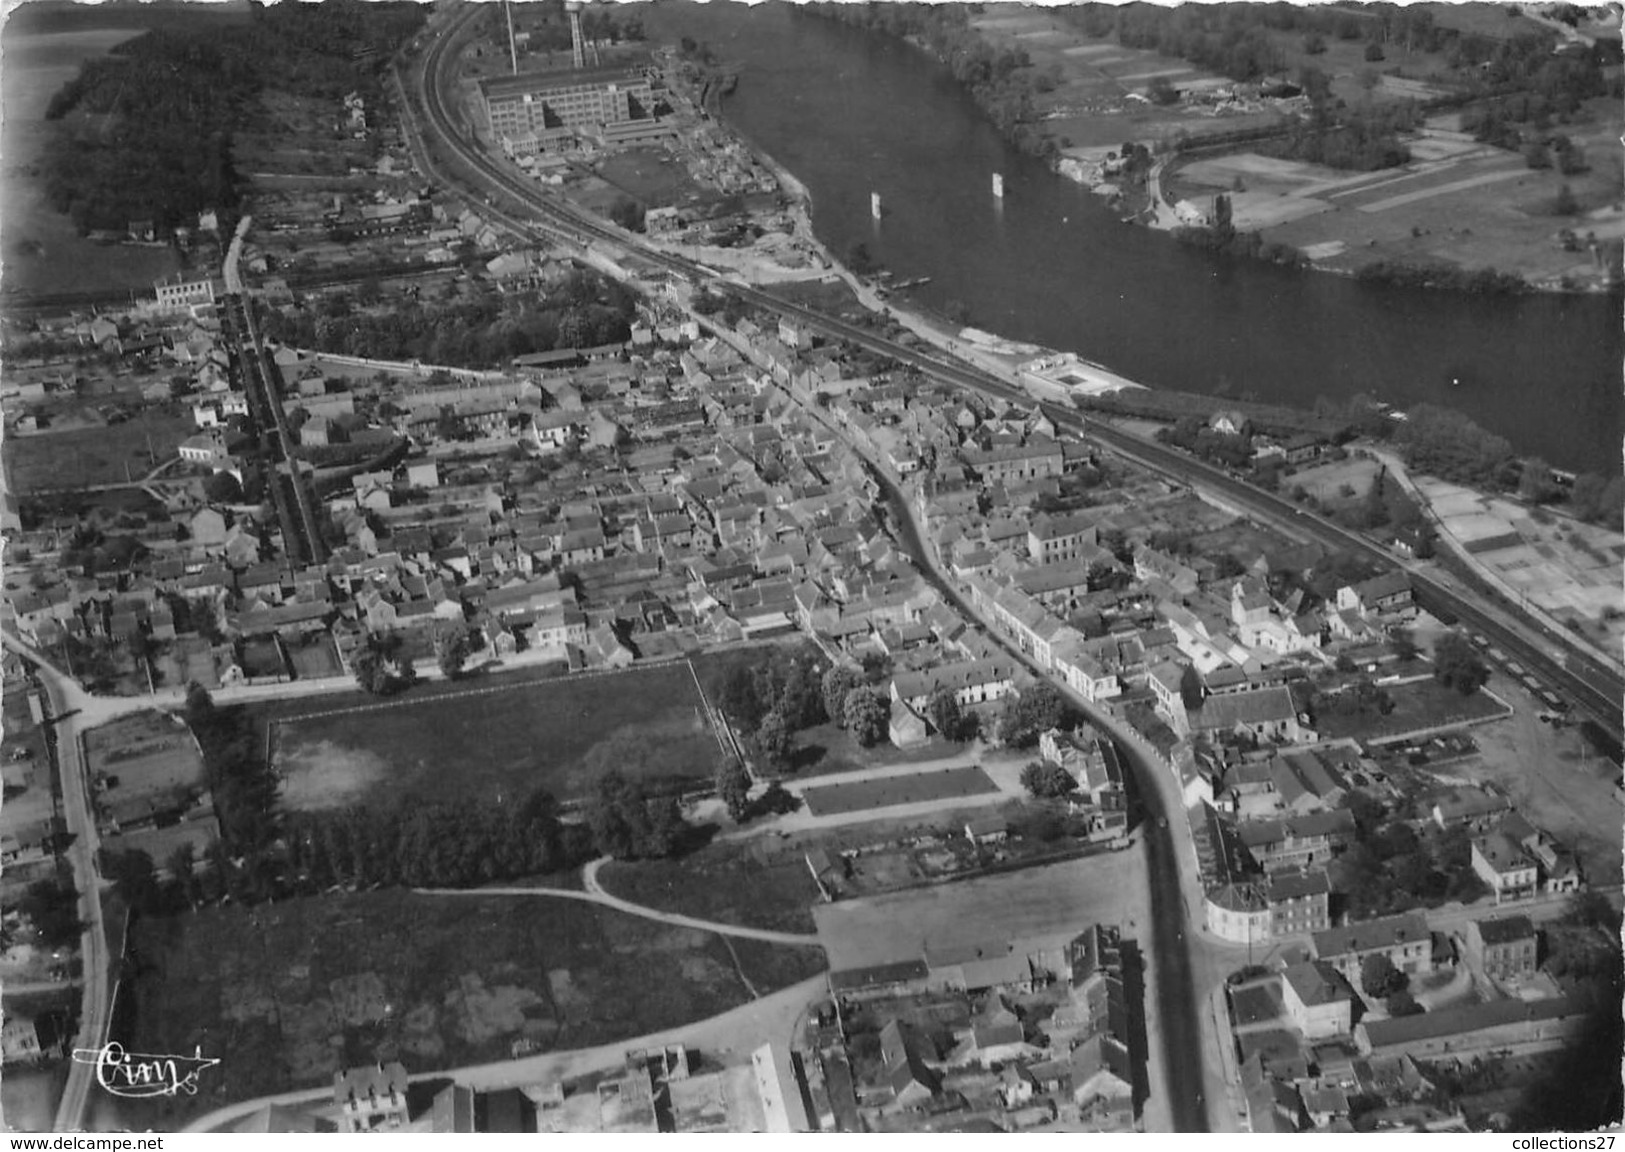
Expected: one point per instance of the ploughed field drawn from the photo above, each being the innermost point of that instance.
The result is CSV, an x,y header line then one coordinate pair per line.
x,y
503,739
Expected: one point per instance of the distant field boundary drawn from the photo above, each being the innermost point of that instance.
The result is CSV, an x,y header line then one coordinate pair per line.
x,y
273,727
407,698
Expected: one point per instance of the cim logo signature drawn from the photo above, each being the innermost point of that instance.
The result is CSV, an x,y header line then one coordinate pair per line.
x,y
139,1075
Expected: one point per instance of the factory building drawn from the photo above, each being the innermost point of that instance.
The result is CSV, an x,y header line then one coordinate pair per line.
x,y
550,106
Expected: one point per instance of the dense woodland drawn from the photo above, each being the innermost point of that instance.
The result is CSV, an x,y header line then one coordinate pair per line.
x,y
146,133
581,311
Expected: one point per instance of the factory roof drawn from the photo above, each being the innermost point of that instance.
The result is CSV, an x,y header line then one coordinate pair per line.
x,y
523,82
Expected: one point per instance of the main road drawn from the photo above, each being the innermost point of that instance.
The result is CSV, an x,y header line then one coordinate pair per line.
x,y
62,700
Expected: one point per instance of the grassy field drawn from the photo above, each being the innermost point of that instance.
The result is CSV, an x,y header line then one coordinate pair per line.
x,y
286,995
87,456
862,795
728,883
509,737
1424,704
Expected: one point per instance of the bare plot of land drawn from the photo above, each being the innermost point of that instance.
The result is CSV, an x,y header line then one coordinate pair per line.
x,y
315,659
1555,780
914,788
148,752
1055,899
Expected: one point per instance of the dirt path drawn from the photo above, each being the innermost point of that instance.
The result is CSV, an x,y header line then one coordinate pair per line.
x,y
595,894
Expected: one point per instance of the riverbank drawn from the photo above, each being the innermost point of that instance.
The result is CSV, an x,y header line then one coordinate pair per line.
x,y
1457,214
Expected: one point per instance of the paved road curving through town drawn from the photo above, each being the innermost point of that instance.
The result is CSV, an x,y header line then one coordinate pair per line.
x,y
595,894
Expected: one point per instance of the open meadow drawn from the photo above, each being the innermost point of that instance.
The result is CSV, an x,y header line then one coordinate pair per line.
x,y
500,739
1457,201
286,994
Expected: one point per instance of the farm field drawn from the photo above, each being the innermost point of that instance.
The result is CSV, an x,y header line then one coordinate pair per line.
x,y
558,734
747,884
863,795
1055,899
95,455
289,993
1087,109
1483,209
1423,704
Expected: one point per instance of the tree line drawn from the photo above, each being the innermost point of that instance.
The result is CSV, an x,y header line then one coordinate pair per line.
x,y
584,310
267,853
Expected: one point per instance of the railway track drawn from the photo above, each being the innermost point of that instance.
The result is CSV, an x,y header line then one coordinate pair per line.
x,y
1593,687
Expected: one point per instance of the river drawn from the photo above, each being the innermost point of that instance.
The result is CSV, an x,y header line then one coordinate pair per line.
x,y
849,112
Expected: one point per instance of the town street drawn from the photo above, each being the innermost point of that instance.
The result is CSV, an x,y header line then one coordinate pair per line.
x,y
96,1003
1171,1006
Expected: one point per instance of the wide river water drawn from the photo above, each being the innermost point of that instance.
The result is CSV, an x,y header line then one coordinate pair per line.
x,y
850,112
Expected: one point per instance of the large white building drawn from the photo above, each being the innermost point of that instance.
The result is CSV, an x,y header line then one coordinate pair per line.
x,y
542,106
178,294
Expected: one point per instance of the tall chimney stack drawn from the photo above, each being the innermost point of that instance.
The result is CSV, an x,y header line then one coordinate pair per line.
x,y
577,50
